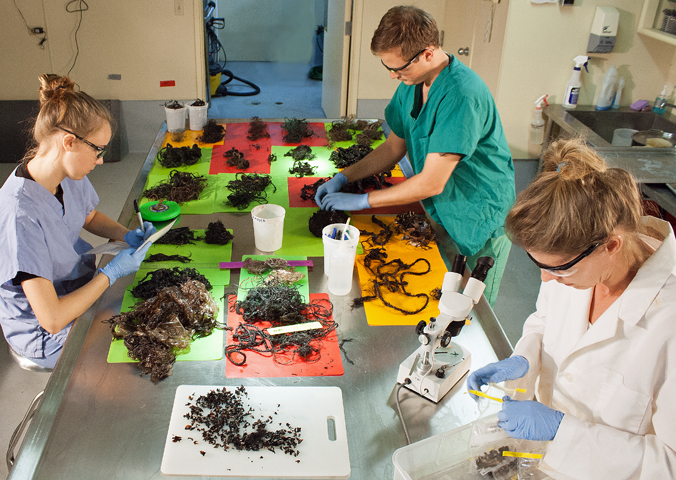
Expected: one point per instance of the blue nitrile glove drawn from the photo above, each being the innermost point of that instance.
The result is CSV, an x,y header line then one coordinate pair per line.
x,y
125,263
508,369
350,202
529,420
332,186
135,238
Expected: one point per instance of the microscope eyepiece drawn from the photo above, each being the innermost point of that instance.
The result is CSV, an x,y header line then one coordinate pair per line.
x,y
459,264
483,265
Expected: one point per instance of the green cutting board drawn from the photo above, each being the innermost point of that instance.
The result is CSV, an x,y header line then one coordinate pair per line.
x,y
202,206
249,280
158,172
204,258
202,349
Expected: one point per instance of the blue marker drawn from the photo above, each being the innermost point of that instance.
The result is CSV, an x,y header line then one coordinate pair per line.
x,y
334,233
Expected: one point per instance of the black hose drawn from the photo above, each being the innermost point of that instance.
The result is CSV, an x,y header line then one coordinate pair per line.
x,y
222,89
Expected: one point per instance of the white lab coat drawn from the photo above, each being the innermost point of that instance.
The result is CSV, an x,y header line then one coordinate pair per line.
x,y
614,380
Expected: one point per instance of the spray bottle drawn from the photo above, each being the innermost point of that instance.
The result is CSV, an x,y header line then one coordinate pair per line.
x,y
574,84
537,124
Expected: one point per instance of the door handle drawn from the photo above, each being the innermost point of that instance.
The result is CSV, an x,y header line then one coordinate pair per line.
x,y
463,51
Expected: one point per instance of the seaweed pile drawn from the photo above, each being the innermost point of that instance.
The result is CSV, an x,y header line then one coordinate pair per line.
x,y
213,132
296,130
236,159
177,236
281,272
161,257
344,157
225,422
247,188
257,129
322,218
390,276
156,330
301,152
301,169
181,187
166,277
309,191
217,234
173,157
279,305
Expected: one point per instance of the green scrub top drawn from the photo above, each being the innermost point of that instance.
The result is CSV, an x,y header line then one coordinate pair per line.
x,y
459,117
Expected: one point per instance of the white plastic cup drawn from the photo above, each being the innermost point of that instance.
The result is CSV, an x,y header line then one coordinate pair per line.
x,y
268,223
339,257
622,137
175,119
197,116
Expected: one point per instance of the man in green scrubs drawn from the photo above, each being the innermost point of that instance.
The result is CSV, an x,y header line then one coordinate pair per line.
x,y
444,117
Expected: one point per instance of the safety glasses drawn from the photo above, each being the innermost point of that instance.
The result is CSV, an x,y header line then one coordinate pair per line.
x,y
100,150
398,69
567,269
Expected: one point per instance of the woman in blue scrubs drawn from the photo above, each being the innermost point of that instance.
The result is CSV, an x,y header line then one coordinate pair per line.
x,y
46,278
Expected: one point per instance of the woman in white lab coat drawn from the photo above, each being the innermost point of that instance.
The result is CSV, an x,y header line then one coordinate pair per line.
x,y
599,353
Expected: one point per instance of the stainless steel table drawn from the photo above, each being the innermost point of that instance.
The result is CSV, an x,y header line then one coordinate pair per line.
x,y
100,420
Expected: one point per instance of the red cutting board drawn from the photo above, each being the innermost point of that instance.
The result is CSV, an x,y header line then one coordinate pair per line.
x,y
256,151
263,365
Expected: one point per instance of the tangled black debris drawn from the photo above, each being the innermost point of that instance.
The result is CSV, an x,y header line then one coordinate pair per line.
x,y
217,234
173,157
198,103
339,132
416,229
296,130
272,158
177,236
236,159
301,152
302,169
391,275
309,191
161,257
257,129
177,137
247,188
162,326
166,277
224,421
344,157
213,132
181,187
260,266
322,218
279,304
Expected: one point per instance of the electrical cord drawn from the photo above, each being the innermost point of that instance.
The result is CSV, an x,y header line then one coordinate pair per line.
x,y
44,36
80,9
401,415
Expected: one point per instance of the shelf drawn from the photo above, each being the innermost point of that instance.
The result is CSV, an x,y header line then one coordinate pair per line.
x,y
651,10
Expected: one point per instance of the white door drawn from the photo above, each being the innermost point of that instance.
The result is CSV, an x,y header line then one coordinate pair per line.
x,y
458,27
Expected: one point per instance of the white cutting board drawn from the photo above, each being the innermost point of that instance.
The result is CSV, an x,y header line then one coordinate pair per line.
x,y
310,408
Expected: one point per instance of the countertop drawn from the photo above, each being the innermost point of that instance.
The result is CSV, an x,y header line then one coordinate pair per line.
x,y
104,420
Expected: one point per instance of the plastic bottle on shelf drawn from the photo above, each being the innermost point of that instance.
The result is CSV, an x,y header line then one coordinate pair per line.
x,y
661,98
608,90
618,94
573,86
537,123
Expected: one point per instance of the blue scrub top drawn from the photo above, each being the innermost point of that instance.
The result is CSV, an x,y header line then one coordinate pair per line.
x,y
459,117
41,237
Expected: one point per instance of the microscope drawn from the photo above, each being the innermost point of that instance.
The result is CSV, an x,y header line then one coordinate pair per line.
x,y
438,364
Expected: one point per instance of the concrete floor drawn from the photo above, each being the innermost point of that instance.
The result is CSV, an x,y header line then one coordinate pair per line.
x,y
285,92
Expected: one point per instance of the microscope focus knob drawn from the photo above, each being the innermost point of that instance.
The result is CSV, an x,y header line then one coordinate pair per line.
x,y
423,338
445,339
420,327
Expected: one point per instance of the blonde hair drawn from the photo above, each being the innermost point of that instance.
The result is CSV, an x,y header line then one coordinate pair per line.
x,y
575,202
407,29
61,105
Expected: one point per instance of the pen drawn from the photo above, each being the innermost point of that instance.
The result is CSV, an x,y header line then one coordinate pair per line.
x,y
140,218
334,233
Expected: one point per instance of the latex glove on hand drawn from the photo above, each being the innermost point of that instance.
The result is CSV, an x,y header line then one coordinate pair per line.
x,y
529,420
332,186
135,238
346,201
508,369
124,263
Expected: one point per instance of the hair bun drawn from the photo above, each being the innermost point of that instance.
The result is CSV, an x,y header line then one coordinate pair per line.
x,y
54,87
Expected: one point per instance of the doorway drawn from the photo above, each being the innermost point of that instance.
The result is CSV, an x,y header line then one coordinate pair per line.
x,y
277,46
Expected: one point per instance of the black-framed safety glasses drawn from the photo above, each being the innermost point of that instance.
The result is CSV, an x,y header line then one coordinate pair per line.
x,y
101,151
398,69
567,268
